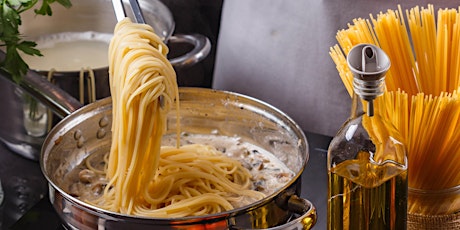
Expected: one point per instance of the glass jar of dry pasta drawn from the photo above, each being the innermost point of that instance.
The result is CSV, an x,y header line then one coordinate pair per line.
x,y
434,209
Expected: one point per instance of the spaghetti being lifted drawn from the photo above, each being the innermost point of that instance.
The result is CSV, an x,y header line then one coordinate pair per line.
x,y
142,177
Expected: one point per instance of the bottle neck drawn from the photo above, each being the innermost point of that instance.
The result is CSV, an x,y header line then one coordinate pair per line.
x,y
366,91
356,106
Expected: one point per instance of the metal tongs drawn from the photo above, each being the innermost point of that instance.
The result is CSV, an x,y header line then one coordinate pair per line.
x,y
120,12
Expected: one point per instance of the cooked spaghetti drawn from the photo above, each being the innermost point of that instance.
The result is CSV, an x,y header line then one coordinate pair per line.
x,y
145,178
422,88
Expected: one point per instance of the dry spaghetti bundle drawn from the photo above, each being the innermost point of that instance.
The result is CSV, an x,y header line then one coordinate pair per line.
x,y
422,89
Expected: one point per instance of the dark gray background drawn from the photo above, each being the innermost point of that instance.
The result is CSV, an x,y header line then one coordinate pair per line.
x,y
278,52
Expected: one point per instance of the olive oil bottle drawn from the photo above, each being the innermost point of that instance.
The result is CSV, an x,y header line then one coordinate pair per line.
x,y
367,162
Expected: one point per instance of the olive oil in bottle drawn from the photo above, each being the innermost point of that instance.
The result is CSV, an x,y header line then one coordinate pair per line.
x,y
371,201
367,163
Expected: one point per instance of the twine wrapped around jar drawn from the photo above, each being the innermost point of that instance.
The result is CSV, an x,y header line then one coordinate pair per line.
x,y
438,222
434,209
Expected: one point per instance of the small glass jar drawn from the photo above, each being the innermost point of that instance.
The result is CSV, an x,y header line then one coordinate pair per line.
x,y
35,115
434,209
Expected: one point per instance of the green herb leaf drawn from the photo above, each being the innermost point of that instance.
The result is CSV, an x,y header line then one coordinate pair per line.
x,y
45,9
14,2
10,38
65,3
14,64
10,21
28,48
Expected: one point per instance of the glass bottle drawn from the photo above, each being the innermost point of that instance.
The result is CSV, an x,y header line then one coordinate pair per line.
x,y
367,162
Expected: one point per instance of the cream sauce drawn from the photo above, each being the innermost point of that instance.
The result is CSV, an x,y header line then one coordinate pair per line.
x,y
268,173
70,51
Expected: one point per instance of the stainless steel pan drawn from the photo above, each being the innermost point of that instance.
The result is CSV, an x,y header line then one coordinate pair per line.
x,y
203,111
86,130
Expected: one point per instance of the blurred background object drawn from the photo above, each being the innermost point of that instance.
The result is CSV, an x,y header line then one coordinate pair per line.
x,y
278,52
202,17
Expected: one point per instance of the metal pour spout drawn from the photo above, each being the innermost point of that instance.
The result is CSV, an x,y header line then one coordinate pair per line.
x,y
369,64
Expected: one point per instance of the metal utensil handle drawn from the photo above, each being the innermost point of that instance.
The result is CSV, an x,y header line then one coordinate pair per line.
x,y
137,11
120,12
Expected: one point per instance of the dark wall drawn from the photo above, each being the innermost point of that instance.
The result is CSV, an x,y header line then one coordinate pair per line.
x,y
278,52
196,16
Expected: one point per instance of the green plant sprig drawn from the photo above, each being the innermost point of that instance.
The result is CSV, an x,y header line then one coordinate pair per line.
x,y
11,39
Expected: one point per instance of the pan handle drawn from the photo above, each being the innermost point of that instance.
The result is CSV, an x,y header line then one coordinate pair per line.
x,y
59,101
201,48
305,217
306,212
